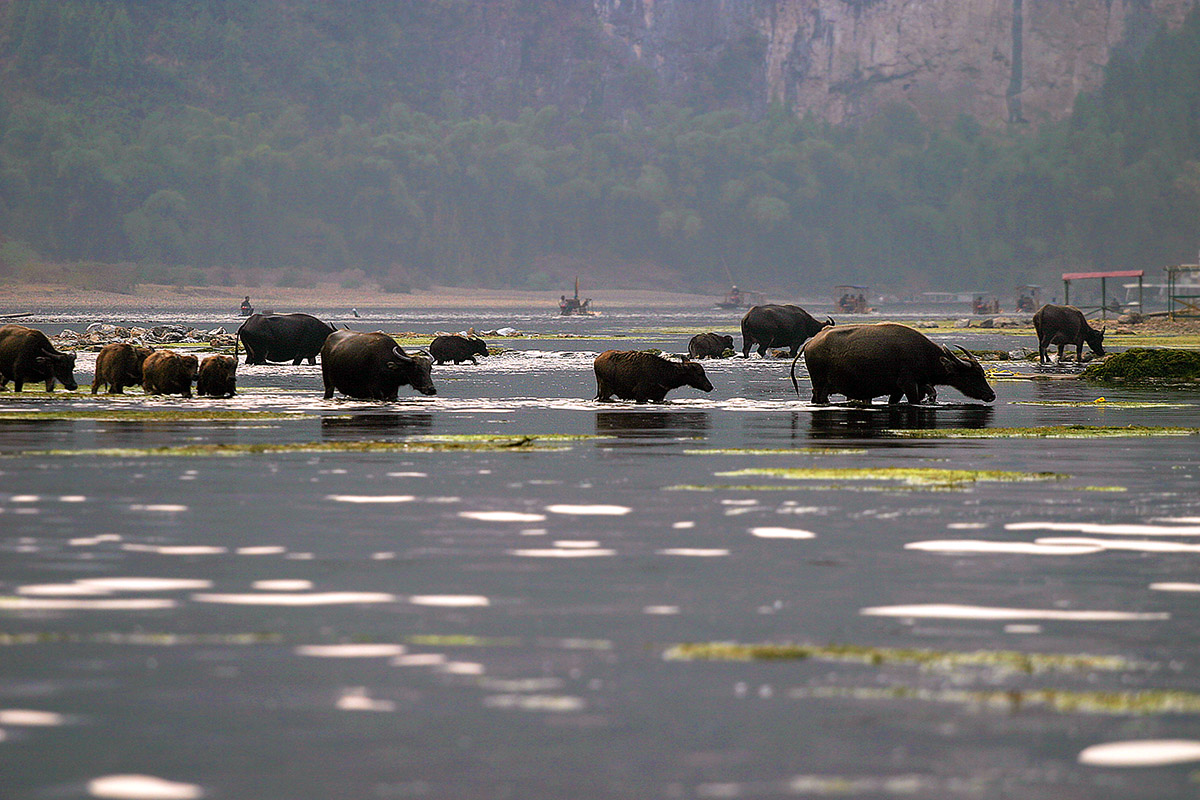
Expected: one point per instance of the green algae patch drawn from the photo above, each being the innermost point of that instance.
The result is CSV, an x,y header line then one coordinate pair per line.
x,y
730,487
909,476
941,660
461,640
1099,402
146,415
1063,701
1147,365
469,438
787,451
494,445
1047,432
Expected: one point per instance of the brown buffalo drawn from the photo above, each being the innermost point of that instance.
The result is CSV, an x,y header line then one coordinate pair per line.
x,y
709,345
642,377
119,365
218,377
26,355
164,372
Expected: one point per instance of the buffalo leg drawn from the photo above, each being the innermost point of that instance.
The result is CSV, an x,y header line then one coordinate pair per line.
x,y
1060,352
747,343
312,361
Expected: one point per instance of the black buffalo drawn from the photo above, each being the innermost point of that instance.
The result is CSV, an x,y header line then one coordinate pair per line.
x,y
282,337
119,365
164,372
631,375
863,362
26,355
709,345
1064,325
217,377
457,348
778,326
371,366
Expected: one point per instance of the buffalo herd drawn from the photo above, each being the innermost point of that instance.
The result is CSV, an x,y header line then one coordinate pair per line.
x,y
859,362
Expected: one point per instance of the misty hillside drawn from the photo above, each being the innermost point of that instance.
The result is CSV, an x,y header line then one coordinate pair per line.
x,y
513,142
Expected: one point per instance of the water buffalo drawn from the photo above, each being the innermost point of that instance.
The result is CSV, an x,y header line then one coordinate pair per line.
x,y
457,348
709,345
119,365
631,375
218,377
778,326
282,337
1064,325
164,372
371,366
26,355
863,362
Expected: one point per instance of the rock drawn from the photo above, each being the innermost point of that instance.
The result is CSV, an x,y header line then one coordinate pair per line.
x,y
1021,353
963,323
986,323
1132,318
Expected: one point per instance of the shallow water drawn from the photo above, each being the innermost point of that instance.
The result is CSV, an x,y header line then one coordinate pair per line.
x,y
504,622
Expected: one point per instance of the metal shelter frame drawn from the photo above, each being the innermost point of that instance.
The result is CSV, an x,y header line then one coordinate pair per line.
x,y
1182,304
1067,277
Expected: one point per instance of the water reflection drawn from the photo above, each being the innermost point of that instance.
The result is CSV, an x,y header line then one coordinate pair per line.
x,y
652,424
875,422
373,426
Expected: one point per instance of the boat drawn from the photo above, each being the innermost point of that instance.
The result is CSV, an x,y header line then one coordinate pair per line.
x,y
572,307
740,299
853,299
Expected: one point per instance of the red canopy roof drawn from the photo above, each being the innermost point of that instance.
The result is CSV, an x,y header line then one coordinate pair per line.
x,y
1121,273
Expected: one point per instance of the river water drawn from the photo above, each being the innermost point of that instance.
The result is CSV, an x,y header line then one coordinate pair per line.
x,y
512,622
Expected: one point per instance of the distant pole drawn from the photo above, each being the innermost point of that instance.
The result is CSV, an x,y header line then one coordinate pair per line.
x,y
1066,292
1103,298
1141,306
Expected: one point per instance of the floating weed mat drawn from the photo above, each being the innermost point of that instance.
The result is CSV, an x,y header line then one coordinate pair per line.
x,y
788,451
1063,701
1099,402
729,487
1147,365
1048,432
941,660
909,476
495,444
468,438
147,415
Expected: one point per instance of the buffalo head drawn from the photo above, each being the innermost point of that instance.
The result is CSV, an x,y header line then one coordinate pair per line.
x,y
415,370
694,376
1095,339
966,376
61,367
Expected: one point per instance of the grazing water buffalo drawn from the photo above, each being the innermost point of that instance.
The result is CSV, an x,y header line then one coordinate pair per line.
x,y
709,345
457,348
26,355
164,372
119,365
371,366
863,362
631,375
218,377
282,337
1064,325
778,326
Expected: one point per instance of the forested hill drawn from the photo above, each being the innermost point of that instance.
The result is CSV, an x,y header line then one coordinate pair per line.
x,y
198,139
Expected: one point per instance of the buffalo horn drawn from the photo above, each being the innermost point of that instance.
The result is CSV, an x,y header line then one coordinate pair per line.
x,y
829,319
399,353
967,353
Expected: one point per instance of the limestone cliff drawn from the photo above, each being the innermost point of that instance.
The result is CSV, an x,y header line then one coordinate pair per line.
x,y
843,60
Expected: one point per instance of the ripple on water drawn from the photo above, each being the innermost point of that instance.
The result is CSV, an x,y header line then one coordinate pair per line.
x,y
449,600
782,533
350,650
1141,753
296,599
1108,530
141,787
588,510
379,498
164,508
563,552
959,547
951,611
24,717
501,516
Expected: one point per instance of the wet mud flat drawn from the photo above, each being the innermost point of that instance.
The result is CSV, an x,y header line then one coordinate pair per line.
x,y
509,590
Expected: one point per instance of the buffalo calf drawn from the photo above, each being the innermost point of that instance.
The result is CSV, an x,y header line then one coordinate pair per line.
x,y
164,372
119,365
643,377
1062,326
709,345
217,377
457,348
